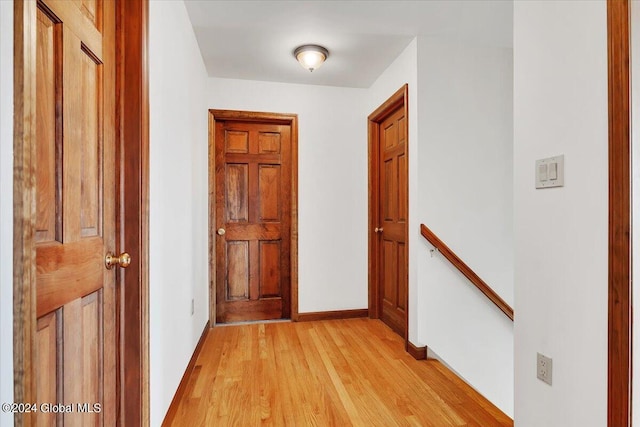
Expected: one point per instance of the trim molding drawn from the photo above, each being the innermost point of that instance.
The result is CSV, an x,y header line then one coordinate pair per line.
x,y
332,315
133,208
24,265
418,353
182,387
620,303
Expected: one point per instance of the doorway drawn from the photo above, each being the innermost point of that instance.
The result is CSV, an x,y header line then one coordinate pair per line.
x,y
252,216
388,212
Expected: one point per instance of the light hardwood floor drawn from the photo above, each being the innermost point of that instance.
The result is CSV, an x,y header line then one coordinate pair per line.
x,y
328,373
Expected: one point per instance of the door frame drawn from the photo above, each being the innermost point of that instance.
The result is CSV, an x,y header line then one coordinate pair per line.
x,y
620,323
132,230
264,117
132,165
399,98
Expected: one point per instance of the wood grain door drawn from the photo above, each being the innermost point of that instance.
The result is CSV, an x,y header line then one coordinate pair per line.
x,y
75,212
253,176
393,213
392,218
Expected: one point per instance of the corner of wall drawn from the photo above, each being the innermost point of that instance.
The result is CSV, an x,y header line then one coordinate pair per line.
x,y
403,70
178,216
561,234
465,196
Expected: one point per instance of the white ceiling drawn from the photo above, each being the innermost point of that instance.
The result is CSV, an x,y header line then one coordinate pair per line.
x,y
255,40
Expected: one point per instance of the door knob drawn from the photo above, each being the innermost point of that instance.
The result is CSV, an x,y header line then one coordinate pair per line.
x,y
124,260
221,231
378,230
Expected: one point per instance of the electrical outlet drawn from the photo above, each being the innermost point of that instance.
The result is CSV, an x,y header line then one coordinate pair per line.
x,y
193,306
545,368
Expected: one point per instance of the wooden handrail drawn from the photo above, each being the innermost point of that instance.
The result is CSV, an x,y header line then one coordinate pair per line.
x,y
466,270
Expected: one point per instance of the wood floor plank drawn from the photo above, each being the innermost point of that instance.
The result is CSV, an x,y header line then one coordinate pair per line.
x,y
351,372
394,371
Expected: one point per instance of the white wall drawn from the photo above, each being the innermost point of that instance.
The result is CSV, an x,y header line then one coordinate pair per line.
x,y
470,207
466,198
560,107
178,199
6,207
404,70
332,183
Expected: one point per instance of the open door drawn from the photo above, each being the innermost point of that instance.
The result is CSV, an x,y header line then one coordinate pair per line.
x,y
74,231
77,87
388,212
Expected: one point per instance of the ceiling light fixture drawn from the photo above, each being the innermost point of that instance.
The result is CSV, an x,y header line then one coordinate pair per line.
x,y
311,56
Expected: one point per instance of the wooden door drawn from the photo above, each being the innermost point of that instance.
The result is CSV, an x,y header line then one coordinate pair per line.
x,y
390,212
253,165
75,213
393,213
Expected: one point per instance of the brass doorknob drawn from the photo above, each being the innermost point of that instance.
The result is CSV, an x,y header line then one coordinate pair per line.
x,y
124,260
378,230
221,231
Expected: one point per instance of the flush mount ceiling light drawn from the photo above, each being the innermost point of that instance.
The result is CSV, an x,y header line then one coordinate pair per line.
x,y
311,56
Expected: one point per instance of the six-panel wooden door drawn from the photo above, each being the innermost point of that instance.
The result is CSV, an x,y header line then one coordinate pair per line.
x,y
75,212
253,220
393,210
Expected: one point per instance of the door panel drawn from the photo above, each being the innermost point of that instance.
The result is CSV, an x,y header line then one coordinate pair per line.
x,y
403,187
237,141
253,178
75,294
390,190
402,275
237,270
48,226
48,331
91,9
269,193
270,278
393,213
389,268
90,104
269,142
82,318
237,193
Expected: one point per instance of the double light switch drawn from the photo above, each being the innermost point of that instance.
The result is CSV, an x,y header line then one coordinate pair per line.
x,y
550,172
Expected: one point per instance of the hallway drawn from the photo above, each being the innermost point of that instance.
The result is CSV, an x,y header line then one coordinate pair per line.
x,y
325,373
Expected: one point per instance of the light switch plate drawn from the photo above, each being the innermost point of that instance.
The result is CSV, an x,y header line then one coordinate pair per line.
x,y
550,172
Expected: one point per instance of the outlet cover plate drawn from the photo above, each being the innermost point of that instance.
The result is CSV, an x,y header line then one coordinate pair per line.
x,y
545,368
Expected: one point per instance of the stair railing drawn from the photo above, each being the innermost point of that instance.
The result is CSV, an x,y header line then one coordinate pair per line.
x,y
466,270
